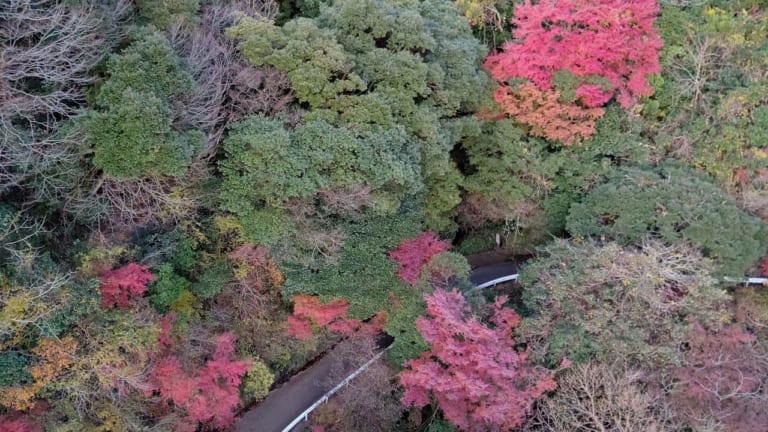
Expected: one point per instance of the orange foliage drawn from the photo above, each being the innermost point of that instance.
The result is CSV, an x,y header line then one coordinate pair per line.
x,y
55,357
255,269
548,117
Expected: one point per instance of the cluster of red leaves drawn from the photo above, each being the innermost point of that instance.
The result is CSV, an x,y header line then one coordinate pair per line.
x,y
414,253
724,375
121,286
18,423
479,380
613,40
208,395
308,311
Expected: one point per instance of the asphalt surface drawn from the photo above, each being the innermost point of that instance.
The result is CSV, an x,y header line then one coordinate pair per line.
x,y
487,273
286,402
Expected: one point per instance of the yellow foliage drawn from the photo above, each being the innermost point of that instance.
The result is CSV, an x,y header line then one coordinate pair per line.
x,y
99,259
184,306
111,420
481,12
55,358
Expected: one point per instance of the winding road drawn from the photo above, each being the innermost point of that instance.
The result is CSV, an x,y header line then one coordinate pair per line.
x,y
290,400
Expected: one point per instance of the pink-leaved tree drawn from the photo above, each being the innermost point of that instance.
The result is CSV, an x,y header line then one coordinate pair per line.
x,y
207,396
478,379
413,254
308,311
600,49
121,286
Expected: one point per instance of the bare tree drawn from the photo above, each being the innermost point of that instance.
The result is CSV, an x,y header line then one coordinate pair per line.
x,y
227,88
599,398
47,52
700,63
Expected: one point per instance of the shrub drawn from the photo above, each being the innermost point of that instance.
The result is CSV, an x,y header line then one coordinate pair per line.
x,y
258,380
167,288
122,286
606,302
212,279
132,134
165,13
675,205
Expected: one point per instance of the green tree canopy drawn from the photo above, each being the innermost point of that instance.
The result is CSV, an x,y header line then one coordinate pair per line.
x,y
675,204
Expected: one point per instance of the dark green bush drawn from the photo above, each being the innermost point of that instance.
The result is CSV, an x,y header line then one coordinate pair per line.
x,y
212,279
14,369
132,133
167,288
674,204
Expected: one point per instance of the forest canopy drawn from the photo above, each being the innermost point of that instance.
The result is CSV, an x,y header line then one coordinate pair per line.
x,y
199,199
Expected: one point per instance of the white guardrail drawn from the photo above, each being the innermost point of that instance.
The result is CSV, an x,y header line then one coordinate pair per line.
x,y
304,415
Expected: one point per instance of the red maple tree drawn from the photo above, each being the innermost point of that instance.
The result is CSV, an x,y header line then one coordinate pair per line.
x,y
208,395
121,286
724,375
609,47
479,380
308,311
414,253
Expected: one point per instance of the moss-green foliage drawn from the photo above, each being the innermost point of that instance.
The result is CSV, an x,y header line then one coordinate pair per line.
x,y
266,165
167,288
164,13
374,63
212,279
14,369
590,300
131,133
366,277
527,185
576,169
706,108
674,204
257,381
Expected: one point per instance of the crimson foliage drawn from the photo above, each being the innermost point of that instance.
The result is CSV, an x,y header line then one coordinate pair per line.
x,y
208,395
597,49
19,424
414,253
120,287
474,372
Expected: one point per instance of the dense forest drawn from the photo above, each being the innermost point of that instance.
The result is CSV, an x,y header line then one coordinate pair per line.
x,y
199,198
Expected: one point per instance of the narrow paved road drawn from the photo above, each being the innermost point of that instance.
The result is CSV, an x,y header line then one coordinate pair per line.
x,y
289,400
487,273
286,402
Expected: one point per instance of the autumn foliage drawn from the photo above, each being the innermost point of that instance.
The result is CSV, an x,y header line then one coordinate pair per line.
x,y
308,311
724,375
546,114
55,356
9,423
479,380
606,47
414,253
209,395
121,286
